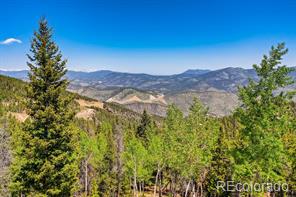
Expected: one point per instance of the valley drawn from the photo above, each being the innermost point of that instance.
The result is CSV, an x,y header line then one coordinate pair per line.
x,y
216,89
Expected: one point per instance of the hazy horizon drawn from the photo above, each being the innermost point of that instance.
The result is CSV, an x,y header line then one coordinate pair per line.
x,y
139,38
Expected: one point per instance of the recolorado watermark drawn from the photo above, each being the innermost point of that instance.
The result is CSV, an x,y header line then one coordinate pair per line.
x,y
231,186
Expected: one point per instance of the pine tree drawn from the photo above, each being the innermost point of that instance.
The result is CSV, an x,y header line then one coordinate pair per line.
x,y
45,164
145,125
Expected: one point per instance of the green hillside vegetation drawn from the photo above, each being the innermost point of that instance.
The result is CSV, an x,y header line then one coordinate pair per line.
x,y
11,89
11,94
117,152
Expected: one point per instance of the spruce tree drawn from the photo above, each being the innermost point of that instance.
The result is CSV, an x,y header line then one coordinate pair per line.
x,y
45,161
145,125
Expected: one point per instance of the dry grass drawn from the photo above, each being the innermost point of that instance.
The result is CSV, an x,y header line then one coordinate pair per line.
x,y
85,108
86,114
84,103
19,116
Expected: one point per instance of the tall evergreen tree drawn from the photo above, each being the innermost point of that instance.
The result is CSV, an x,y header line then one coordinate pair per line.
x,y
145,125
45,164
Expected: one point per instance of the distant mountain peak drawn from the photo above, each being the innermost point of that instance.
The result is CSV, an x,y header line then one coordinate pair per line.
x,y
195,72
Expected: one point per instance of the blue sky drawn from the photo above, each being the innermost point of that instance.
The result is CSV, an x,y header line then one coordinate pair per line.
x,y
151,36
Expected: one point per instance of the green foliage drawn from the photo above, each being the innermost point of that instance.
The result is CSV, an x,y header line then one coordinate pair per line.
x,y
174,127
12,92
188,143
11,89
93,150
221,168
136,157
289,140
1,110
265,117
45,157
145,126
202,136
93,147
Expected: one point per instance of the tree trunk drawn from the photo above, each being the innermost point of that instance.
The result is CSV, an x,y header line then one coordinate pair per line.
x,y
156,181
187,188
119,145
160,185
86,175
194,193
140,188
173,185
201,190
143,186
135,184
85,178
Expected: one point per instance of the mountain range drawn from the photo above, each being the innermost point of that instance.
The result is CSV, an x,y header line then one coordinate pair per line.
x,y
191,80
217,89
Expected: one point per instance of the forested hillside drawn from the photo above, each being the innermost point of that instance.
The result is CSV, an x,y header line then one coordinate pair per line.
x,y
69,145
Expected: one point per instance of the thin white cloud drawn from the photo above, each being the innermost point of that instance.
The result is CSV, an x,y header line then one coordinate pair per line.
x,y
10,41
